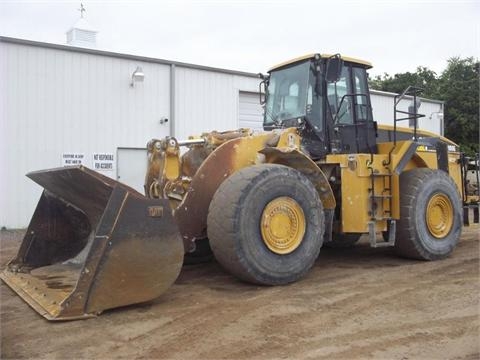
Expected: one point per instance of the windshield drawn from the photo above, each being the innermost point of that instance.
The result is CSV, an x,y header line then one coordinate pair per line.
x,y
287,94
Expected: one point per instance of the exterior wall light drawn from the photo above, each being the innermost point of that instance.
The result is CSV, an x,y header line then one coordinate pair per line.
x,y
137,76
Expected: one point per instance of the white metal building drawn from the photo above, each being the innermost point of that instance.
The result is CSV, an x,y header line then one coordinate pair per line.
x,y
62,105
383,104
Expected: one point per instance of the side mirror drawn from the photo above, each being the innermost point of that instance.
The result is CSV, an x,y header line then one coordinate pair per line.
x,y
262,88
262,92
414,106
334,68
413,111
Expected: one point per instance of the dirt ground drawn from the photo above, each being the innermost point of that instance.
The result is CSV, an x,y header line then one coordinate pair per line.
x,y
355,303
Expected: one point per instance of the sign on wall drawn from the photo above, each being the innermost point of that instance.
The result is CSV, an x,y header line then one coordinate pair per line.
x,y
73,159
103,162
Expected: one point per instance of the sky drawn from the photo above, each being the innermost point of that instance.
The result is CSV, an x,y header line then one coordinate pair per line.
x,y
396,36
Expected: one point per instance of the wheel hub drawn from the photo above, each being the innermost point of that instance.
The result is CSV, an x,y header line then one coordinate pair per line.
x,y
439,215
283,225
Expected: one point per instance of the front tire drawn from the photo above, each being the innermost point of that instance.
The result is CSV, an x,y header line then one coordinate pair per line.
x,y
430,222
266,224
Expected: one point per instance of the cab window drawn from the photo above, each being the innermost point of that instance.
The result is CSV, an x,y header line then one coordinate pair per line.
x,y
361,89
337,91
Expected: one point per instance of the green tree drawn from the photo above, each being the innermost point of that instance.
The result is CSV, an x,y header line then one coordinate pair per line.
x,y
423,78
457,86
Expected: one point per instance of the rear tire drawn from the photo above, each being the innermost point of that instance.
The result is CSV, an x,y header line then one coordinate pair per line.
x,y
265,207
430,222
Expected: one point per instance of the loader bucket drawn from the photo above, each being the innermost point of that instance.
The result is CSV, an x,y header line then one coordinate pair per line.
x,y
93,244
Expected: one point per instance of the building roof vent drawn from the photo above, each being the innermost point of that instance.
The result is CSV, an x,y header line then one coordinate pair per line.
x,y
82,33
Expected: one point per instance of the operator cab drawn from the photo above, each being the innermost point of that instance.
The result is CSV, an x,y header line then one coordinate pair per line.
x,y
327,98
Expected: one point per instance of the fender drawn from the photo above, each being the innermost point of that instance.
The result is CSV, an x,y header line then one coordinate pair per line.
x,y
231,156
297,160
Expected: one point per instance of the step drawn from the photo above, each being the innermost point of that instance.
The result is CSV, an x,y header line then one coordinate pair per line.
x,y
380,175
381,196
372,234
382,218
383,191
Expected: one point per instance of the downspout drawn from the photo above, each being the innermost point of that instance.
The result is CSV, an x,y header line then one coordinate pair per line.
x,y
442,120
172,99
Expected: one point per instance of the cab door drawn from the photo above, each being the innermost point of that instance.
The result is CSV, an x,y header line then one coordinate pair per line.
x,y
365,127
349,114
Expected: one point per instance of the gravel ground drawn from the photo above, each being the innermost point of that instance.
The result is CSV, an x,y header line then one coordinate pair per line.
x,y
355,303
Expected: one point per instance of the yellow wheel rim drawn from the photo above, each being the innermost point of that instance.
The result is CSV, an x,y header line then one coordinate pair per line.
x,y
439,215
283,225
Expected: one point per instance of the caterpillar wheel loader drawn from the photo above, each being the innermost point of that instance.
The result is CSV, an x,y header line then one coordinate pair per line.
x,y
322,173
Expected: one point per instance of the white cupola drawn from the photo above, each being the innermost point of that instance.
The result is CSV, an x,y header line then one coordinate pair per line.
x,y
82,33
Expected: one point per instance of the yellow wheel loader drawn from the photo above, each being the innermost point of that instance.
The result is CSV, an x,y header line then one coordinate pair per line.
x,y
322,173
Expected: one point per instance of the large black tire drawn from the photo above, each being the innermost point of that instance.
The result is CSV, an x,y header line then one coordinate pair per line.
x,y
341,241
428,194
234,224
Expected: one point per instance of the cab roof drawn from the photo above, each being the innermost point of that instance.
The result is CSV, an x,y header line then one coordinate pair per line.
x,y
364,63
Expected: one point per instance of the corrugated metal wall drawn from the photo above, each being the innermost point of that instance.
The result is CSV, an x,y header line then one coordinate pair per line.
x,y
250,112
57,101
383,105
205,100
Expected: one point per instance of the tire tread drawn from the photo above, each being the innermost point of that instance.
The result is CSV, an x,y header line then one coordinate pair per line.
x,y
408,242
222,218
